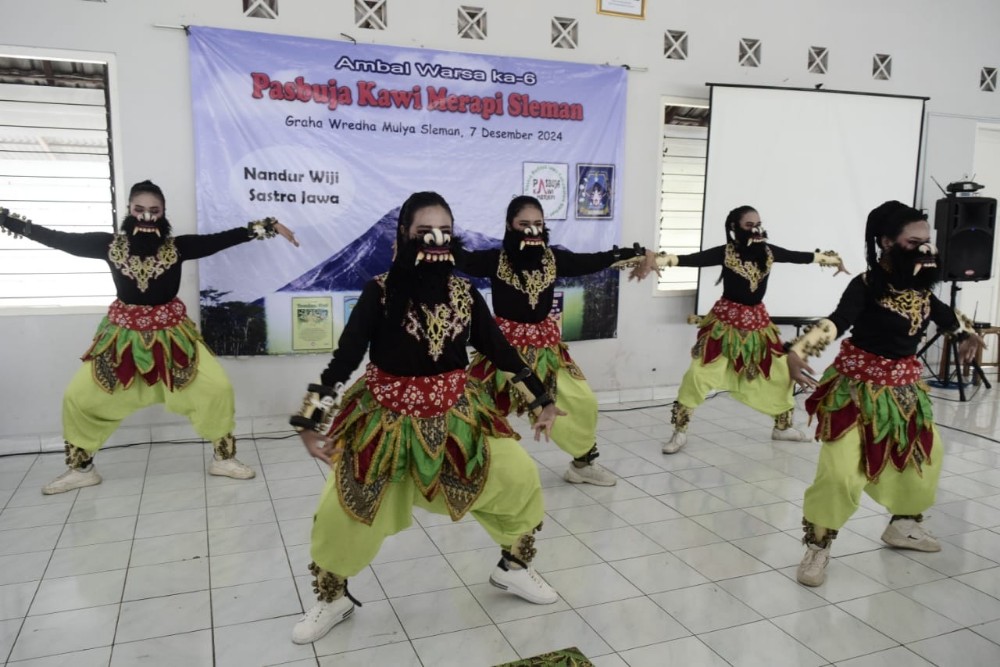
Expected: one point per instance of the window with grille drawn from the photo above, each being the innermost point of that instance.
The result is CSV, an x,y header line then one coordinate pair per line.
x,y
472,23
371,14
260,9
750,52
882,67
564,33
682,189
817,61
675,45
988,79
56,170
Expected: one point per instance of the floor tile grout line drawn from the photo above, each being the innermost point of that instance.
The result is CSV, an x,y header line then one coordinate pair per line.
x,y
284,547
827,602
41,579
604,562
128,564
772,569
24,474
208,557
393,607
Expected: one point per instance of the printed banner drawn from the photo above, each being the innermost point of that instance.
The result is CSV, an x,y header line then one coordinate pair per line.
x,y
331,137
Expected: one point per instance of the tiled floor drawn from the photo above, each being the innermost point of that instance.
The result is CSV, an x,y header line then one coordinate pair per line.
x,y
690,560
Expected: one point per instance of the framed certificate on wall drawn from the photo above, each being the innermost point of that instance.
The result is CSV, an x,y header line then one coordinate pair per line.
x,y
633,9
312,323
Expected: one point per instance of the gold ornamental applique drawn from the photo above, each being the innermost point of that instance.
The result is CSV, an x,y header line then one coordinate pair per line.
x,y
533,282
913,305
749,271
141,269
444,321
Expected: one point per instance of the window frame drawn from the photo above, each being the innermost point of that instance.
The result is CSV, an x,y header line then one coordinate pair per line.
x,y
665,101
117,163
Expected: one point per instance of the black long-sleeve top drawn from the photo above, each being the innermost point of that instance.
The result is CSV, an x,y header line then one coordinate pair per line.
x,y
398,352
893,326
743,281
511,303
98,245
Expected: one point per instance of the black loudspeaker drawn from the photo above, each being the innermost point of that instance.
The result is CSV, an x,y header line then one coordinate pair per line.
x,y
965,231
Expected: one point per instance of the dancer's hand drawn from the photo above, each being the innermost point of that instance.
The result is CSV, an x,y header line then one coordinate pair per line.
x,y
285,232
797,369
970,347
319,446
648,265
545,420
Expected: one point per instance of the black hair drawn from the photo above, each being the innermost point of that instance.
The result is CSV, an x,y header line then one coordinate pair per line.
x,y
408,211
518,204
886,220
734,217
147,187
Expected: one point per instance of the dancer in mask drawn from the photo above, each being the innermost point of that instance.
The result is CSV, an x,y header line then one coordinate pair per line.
x,y
873,413
523,275
146,350
415,429
738,348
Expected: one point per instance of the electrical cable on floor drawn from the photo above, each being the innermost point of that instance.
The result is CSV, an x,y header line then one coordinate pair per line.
x,y
658,405
797,392
961,430
954,400
638,407
191,441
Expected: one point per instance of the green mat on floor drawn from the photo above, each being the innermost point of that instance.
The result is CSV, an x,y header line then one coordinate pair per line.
x,y
567,657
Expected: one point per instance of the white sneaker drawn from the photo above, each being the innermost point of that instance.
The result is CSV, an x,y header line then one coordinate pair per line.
x,y
231,468
74,478
677,440
790,435
812,569
589,474
320,620
910,534
524,583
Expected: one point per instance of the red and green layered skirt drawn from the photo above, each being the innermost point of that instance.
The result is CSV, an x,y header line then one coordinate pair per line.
x,y
430,429
742,334
154,343
540,345
884,399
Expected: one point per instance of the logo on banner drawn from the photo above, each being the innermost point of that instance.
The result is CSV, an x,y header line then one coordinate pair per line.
x,y
557,305
548,182
595,190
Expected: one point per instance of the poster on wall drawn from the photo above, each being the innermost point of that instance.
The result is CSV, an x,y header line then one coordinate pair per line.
x,y
633,9
331,137
595,190
312,326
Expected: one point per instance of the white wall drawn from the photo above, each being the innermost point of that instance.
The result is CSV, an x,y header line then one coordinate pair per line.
x,y
936,51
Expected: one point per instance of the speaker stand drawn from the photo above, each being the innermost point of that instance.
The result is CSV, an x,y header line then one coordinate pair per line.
x,y
951,353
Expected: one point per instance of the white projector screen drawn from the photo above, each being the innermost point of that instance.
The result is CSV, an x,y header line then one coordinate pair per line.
x,y
813,163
